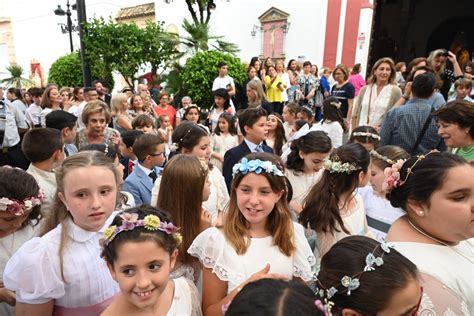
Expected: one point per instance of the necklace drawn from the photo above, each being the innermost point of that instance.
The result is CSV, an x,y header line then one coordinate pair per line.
x,y
470,259
12,244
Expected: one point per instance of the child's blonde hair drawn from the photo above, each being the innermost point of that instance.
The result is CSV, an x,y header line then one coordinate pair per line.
x,y
279,221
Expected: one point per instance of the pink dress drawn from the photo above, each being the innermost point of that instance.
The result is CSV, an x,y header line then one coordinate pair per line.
x,y
357,81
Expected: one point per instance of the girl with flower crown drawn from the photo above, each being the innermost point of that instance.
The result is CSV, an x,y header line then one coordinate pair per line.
x,y
20,214
332,208
141,248
258,240
365,135
61,273
436,191
332,122
380,213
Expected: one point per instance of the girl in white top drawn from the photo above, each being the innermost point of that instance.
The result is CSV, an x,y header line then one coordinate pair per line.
x,y
304,164
258,240
140,248
333,122
289,117
62,273
223,138
380,213
332,208
20,204
221,105
436,190
276,133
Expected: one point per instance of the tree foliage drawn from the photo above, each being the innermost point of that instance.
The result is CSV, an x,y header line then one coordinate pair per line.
x,y
201,70
66,71
16,77
126,48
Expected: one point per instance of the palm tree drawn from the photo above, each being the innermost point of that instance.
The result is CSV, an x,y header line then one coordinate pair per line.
x,y
16,80
199,39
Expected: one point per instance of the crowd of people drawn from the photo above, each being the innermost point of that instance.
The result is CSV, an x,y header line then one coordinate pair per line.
x,y
304,192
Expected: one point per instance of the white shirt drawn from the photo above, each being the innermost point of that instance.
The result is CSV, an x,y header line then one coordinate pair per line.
x,y
15,119
33,114
34,270
223,82
333,129
43,114
252,146
47,182
80,108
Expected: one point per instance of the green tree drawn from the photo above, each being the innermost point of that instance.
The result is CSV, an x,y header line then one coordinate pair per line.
x,y
66,72
16,77
201,70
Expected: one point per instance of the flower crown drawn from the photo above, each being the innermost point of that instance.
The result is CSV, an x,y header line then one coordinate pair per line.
x,y
367,134
19,208
375,154
351,283
392,174
338,167
150,222
258,166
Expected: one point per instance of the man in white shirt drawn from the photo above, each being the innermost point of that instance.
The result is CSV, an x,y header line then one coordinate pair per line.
x,y
224,81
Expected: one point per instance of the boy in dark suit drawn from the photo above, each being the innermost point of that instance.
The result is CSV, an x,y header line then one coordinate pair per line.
x,y
150,151
253,125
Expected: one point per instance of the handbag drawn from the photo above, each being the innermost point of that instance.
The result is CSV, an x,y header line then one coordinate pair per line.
x,y
422,133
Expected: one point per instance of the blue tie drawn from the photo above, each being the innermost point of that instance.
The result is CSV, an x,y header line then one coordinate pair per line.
x,y
259,149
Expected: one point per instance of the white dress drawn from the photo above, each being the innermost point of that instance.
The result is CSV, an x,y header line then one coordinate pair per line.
x,y
8,246
380,213
333,129
185,299
445,264
302,183
216,253
220,144
34,272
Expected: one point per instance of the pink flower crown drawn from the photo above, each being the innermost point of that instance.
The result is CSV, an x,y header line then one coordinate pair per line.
x,y
19,208
150,222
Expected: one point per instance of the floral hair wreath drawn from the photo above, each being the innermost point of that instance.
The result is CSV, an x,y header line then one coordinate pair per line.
x,y
336,166
367,134
392,174
19,208
150,222
257,166
376,155
350,283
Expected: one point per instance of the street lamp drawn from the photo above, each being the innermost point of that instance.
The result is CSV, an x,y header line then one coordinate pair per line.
x,y
60,12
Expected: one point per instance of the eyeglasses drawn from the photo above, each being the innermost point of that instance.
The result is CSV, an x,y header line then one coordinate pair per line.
x,y
157,154
415,311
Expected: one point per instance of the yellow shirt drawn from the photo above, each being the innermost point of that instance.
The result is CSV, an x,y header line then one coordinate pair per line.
x,y
273,92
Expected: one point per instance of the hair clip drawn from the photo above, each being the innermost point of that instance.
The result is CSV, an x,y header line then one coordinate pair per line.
x,y
350,283
370,261
337,105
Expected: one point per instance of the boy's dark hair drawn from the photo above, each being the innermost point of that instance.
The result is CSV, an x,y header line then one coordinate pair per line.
x,y
60,119
36,92
306,63
249,117
423,85
15,91
230,118
87,89
129,137
146,145
221,64
463,82
39,144
142,121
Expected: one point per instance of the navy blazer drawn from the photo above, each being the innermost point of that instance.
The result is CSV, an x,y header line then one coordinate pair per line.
x,y
233,155
139,184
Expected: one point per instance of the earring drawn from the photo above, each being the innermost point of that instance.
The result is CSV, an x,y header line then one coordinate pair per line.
x,y
421,213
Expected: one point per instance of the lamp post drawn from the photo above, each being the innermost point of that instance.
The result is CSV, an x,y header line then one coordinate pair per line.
x,y
60,12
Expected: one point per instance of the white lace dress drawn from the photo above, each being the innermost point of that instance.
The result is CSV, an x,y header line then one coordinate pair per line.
x,y
185,299
216,253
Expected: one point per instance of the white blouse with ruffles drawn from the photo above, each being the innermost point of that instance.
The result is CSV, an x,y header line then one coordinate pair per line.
x,y
218,254
34,271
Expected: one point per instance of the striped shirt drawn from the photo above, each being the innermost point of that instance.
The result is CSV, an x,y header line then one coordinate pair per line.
x,y
403,125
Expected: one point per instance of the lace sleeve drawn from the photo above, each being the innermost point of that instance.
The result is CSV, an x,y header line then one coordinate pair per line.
x,y
304,259
438,299
195,300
